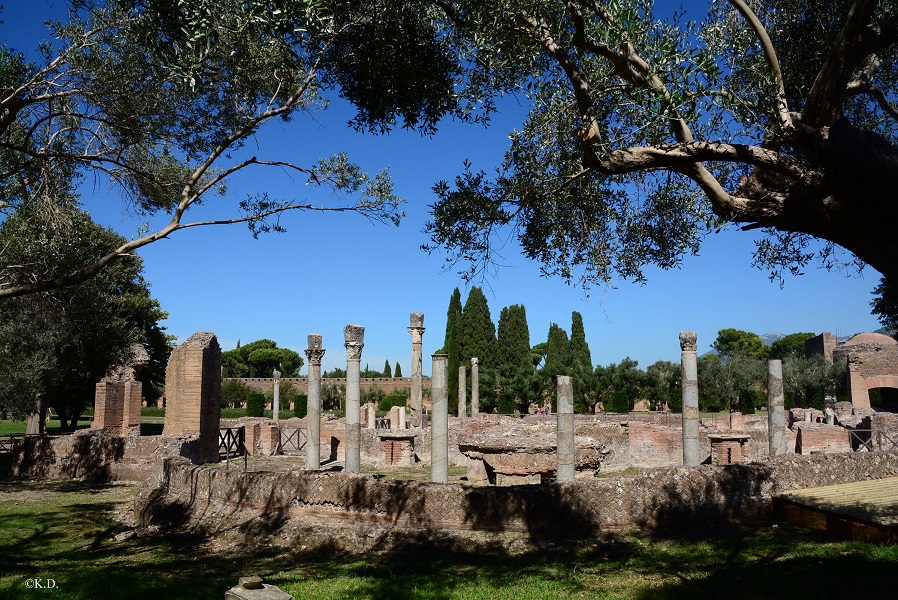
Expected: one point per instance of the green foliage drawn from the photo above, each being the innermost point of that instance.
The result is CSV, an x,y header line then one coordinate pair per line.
x,y
579,348
453,342
255,404
479,333
808,380
647,132
721,383
790,347
515,367
336,373
333,396
397,372
619,402
388,372
260,359
300,405
59,343
233,393
733,342
391,400
885,305
623,379
663,386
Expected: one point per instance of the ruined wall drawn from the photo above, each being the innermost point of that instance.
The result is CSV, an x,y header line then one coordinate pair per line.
x,y
193,391
301,384
821,345
215,499
95,455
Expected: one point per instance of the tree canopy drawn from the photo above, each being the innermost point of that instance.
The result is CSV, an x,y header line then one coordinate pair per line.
x,y
57,344
260,359
648,132
160,99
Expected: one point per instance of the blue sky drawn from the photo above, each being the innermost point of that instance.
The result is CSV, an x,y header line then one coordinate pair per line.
x,y
329,270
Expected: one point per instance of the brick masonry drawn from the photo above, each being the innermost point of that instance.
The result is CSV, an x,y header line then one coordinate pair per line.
x,y
193,391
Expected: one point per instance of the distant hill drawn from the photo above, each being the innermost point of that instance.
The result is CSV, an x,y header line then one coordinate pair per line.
x,y
769,338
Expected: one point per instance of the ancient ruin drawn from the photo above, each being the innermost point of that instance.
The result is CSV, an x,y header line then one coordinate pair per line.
x,y
354,336
119,396
416,329
193,392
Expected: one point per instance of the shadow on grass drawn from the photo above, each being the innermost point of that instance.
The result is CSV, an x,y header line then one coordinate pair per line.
x,y
63,530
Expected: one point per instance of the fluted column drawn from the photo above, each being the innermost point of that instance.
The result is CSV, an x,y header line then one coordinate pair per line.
x,y
354,336
689,362
416,328
313,403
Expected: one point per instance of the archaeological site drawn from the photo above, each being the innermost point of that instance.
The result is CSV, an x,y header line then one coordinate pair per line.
x,y
553,472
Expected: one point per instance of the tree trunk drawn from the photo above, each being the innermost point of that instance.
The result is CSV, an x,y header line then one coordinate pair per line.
x,y
38,416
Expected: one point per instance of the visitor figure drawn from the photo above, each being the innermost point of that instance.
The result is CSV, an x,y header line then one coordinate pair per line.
x,y
548,408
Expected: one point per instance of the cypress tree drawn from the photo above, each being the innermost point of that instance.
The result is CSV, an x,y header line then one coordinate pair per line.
x,y
557,360
479,339
388,372
579,348
452,346
398,371
514,362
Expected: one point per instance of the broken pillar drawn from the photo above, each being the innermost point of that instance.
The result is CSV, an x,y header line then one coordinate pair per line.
x,y
462,389
475,386
416,328
776,412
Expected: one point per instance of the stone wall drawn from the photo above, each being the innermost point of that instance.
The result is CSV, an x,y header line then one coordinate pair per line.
x,y
217,500
301,384
98,456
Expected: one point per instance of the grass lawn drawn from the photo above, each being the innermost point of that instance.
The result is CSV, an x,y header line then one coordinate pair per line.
x,y
8,427
64,531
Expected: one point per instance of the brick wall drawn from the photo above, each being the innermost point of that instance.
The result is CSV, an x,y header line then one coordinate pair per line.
x,y
193,391
301,384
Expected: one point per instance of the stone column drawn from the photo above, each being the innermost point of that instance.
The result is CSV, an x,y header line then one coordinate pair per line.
x,y
475,386
416,328
565,419
372,416
313,404
439,420
355,341
276,400
402,423
689,361
462,389
776,413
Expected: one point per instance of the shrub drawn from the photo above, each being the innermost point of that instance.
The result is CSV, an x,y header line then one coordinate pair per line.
x,y
147,411
507,405
255,404
620,402
394,399
233,393
300,405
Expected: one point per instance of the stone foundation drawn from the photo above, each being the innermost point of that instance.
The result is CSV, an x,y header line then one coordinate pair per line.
x,y
213,500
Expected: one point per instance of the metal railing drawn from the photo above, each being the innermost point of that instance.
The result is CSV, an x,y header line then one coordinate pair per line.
x,y
870,440
292,440
232,441
382,423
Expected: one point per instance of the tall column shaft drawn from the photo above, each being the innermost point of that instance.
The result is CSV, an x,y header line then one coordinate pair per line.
x,y
689,362
313,404
776,412
355,341
439,420
565,419
276,399
416,328
475,386
462,390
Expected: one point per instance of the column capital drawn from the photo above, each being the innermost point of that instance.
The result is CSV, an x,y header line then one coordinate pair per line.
x,y
315,355
475,361
354,336
688,341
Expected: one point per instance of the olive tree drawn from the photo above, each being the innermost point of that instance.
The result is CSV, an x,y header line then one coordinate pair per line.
x,y
647,133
